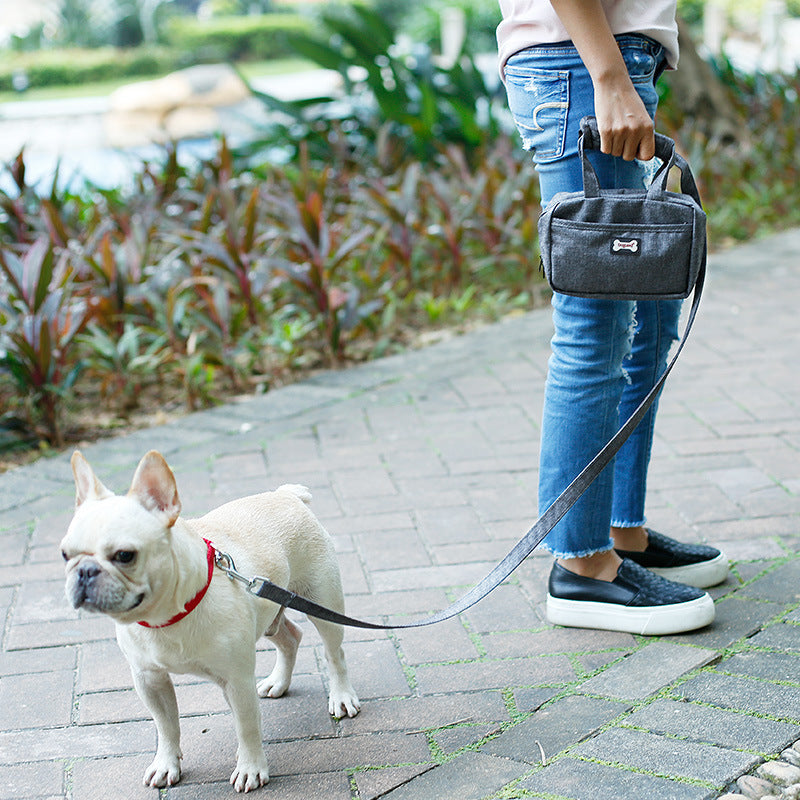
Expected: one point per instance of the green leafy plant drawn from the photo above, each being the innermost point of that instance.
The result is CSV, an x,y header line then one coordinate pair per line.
x,y
390,94
40,316
317,246
124,365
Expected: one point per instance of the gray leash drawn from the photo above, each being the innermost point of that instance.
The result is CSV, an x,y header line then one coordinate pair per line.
x,y
265,589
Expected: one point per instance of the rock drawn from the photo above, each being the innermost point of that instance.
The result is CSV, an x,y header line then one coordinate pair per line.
x,y
732,797
791,793
191,121
209,85
779,772
756,788
180,105
791,756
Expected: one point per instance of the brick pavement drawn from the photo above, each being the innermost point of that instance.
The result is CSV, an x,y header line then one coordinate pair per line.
x,y
423,468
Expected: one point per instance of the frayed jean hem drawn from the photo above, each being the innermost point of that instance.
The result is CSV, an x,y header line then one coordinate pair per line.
x,y
628,524
579,553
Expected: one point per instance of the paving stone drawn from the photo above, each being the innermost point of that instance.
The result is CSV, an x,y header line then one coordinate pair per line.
x,y
335,753
375,783
556,640
372,523
39,779
375,670
32,701
586,780
449,525
60,633
493,549
14,547
752,696
667,756
43,601
466,575
736,618
758,664
473,776
477,675
427,713
453,739
396,550
555,727
781,585
397,606
22,662
112,778
526,700
506,608
779,637
714,725
647,670
335,786
76,741
446,641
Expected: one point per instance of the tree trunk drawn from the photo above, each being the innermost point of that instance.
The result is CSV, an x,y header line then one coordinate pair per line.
x,y
701,96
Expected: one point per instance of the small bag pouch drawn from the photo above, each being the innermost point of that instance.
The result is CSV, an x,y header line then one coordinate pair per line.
x,y
624,244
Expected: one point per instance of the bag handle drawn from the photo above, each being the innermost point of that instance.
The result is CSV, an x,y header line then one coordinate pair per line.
x,y
589,137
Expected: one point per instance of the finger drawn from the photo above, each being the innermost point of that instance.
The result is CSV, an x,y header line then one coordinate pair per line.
x,y
612,144
631,147
647,147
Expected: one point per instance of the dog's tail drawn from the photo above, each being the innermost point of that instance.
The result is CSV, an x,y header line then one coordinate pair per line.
x,y
303,492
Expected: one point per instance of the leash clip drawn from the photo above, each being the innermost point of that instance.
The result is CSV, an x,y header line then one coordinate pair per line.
x,y
225,562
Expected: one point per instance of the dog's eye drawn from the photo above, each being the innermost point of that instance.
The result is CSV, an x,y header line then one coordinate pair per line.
x,y
124,556
64,556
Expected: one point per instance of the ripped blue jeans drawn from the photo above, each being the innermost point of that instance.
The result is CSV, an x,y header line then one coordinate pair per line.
x,y
606,354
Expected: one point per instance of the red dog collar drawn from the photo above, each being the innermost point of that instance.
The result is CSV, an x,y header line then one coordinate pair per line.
x,y
195,601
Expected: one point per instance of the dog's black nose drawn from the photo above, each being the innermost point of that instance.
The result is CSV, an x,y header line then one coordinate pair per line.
x,y
84,585
87,572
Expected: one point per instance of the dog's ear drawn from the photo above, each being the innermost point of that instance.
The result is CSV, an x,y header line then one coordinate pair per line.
x,y
154,487
87,485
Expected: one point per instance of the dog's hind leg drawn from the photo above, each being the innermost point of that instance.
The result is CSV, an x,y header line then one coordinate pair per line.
x,y
286,636
342,698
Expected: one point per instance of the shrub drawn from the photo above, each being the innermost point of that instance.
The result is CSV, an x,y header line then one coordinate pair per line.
x,y
72,67
189,41
203,282
749,187
397,98
236,38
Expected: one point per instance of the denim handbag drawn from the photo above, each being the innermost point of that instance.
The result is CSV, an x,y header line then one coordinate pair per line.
x,y
624,244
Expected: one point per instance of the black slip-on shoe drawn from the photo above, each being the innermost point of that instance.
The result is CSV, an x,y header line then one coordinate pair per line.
x,y
693,564
636,601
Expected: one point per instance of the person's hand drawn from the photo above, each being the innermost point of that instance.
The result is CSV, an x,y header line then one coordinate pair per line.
x,y
626,129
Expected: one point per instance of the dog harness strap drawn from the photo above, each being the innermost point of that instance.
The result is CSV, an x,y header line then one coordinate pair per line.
x,y
195,601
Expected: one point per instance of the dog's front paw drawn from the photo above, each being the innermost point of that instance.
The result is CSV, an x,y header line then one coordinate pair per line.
x,y
343,703
249,775
164,771
275,685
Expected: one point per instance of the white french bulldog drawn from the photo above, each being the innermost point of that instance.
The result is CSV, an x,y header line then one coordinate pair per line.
x,y
132,557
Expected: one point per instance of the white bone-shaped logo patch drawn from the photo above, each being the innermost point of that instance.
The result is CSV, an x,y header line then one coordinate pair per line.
x,y
632,246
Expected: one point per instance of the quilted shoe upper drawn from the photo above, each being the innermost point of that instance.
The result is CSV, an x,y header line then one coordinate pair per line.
x,y
634,586
665,553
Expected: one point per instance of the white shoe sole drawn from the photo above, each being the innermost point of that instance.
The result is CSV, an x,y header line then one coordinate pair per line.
x,y
647,620
701,576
